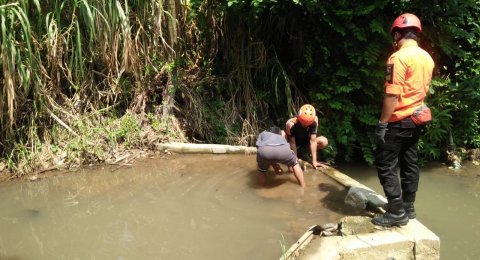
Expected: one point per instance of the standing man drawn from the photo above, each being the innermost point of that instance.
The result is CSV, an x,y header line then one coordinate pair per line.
x,y
408,75
302,135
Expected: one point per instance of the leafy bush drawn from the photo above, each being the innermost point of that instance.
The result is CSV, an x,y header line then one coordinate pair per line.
x,y
333,54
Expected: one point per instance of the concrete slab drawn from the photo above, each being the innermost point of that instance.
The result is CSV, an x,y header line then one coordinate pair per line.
x,y
360,239
413,241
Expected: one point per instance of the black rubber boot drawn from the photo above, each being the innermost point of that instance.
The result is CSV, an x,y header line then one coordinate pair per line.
x,y
408,200
409,209
395,215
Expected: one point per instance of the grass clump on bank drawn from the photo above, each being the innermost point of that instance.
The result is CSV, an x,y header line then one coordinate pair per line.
x,y
91,139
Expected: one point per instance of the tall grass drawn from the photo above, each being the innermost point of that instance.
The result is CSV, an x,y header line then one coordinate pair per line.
x,y
63,60
17,60
69,67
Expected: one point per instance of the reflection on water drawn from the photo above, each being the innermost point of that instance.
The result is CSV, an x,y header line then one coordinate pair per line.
x,y
182,207
448,203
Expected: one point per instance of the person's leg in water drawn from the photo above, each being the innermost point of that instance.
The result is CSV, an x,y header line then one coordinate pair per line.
x,y
263,165
262,178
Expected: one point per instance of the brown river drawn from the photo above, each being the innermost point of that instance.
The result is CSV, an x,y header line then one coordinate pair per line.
x,y
207,207
178,207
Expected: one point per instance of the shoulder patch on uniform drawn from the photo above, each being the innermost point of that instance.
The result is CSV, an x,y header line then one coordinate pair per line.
x,y
389,73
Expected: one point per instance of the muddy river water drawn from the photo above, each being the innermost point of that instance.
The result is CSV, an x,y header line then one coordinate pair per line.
x,y
178,207
207,207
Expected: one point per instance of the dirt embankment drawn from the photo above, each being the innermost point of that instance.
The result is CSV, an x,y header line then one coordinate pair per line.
x,y
107,141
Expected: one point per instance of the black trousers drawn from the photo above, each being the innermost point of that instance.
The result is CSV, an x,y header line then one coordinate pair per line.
x,y
399,151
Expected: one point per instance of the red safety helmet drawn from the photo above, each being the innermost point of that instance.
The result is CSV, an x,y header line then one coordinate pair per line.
x,y
406,20
306,115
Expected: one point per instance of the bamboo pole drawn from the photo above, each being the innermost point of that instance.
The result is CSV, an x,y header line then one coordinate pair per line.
x,y
207,148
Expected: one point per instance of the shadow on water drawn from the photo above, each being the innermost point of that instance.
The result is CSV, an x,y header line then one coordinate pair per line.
x,y
334,200
271,182
30,213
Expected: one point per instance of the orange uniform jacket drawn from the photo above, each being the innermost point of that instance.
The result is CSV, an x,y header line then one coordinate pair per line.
x,y
409,72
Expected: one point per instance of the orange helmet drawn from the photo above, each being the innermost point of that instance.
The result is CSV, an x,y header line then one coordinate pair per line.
x,y
406,20
306,115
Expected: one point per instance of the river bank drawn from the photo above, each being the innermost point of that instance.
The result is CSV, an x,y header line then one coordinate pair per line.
x,y
92,139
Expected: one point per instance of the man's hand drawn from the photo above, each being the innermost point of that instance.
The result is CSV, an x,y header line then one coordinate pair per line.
x,y
319,165
380,131
278,170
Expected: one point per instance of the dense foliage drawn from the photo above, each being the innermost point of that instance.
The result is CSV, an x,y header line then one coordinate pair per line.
x,y
225,69
332,54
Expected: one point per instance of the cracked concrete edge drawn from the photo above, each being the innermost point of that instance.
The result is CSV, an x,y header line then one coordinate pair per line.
x,y
348,181
378,245
413,241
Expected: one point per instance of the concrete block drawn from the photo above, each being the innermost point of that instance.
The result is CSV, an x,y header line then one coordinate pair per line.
x,y
362,240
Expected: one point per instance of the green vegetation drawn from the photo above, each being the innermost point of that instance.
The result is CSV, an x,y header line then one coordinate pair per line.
x,y
84,80
283,246
334,55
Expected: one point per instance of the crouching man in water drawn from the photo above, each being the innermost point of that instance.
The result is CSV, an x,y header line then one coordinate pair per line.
x,y
272,149
302,135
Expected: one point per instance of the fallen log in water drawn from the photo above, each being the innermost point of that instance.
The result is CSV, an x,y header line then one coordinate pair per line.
x,y
206,148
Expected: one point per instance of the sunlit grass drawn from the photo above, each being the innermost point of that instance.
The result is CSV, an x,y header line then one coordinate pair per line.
x,y
63,59
284,248
72,70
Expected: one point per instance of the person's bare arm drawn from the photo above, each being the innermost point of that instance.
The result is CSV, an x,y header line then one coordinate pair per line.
x,y
293,144
298,173
289,137
313,148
